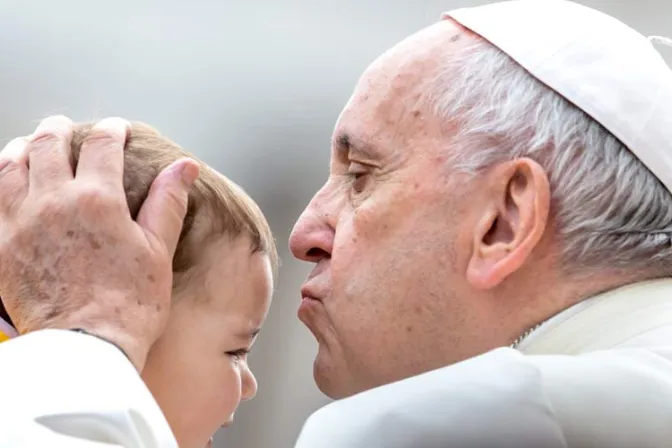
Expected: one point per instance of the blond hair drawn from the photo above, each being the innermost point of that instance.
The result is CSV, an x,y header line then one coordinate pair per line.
x,y
221,205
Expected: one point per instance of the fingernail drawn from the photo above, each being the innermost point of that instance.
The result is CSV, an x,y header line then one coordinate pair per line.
x,y
189,172
114,125
56,124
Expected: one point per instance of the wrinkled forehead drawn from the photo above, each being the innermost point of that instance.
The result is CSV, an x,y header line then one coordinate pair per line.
x,y
393,91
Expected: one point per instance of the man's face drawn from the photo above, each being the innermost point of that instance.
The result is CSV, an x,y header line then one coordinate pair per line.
x,y
386,231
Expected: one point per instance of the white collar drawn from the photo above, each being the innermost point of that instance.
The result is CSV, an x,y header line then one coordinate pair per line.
x,y
605,320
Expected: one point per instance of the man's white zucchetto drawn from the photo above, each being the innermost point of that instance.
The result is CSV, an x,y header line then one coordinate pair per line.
x,y
602,66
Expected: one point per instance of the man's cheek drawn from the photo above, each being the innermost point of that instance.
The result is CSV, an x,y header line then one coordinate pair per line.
x,y
372,224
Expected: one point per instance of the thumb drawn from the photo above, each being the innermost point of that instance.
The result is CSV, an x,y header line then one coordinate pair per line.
x,y
162,214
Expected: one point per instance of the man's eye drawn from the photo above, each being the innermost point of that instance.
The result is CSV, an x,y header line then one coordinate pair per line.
x,y
358,175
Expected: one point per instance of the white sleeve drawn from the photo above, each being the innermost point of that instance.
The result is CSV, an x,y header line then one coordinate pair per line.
x,y
504,399
65,389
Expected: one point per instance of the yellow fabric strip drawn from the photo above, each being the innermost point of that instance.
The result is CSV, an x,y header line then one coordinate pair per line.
x,y
3,337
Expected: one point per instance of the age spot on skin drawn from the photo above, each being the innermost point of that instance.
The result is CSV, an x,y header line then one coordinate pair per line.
x,y
95,244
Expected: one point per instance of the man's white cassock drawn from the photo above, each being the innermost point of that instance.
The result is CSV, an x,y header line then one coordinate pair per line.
x,y
596,375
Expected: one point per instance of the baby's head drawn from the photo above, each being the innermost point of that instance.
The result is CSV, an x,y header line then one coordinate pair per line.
x,y
223,281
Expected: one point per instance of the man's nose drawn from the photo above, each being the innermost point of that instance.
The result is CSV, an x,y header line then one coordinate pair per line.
x,y
248,385
312,237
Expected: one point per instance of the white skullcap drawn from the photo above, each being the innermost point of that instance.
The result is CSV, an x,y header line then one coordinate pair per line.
x,y
605,68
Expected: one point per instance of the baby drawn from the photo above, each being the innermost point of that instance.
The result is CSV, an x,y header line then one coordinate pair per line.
x,y
224,270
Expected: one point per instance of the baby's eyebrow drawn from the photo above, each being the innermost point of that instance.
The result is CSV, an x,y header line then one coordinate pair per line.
x,y
249,334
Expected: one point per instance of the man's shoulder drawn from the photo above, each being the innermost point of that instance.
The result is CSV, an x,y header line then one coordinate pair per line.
x,y
510,399
438,408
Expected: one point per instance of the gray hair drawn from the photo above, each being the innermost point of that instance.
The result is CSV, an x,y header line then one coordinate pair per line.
x,y
609,209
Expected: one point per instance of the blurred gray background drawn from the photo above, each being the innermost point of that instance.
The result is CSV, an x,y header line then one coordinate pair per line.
x,y
254,88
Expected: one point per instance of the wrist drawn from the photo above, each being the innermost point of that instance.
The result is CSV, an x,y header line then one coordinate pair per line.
x,y
83,331
127,345
129,342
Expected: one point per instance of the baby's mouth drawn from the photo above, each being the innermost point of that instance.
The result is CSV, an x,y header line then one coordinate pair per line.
x,y
225,425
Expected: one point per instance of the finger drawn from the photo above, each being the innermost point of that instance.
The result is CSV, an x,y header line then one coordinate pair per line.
x,y
49,153
101,159
13,174
162,214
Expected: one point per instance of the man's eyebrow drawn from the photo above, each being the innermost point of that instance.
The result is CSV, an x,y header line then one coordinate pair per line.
x,y
346,143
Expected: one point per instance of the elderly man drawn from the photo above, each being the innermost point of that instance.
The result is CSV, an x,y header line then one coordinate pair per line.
x,y
501,178
492,249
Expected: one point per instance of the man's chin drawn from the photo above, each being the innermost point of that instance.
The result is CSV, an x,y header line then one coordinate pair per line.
x,y
332,381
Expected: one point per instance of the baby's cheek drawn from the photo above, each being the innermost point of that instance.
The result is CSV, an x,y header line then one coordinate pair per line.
x,y
229,392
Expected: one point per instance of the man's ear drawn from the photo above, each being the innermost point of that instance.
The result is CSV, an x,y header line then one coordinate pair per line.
x,y
513,223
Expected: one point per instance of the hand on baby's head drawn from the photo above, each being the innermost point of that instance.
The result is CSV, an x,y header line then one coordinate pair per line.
x,y
61,265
